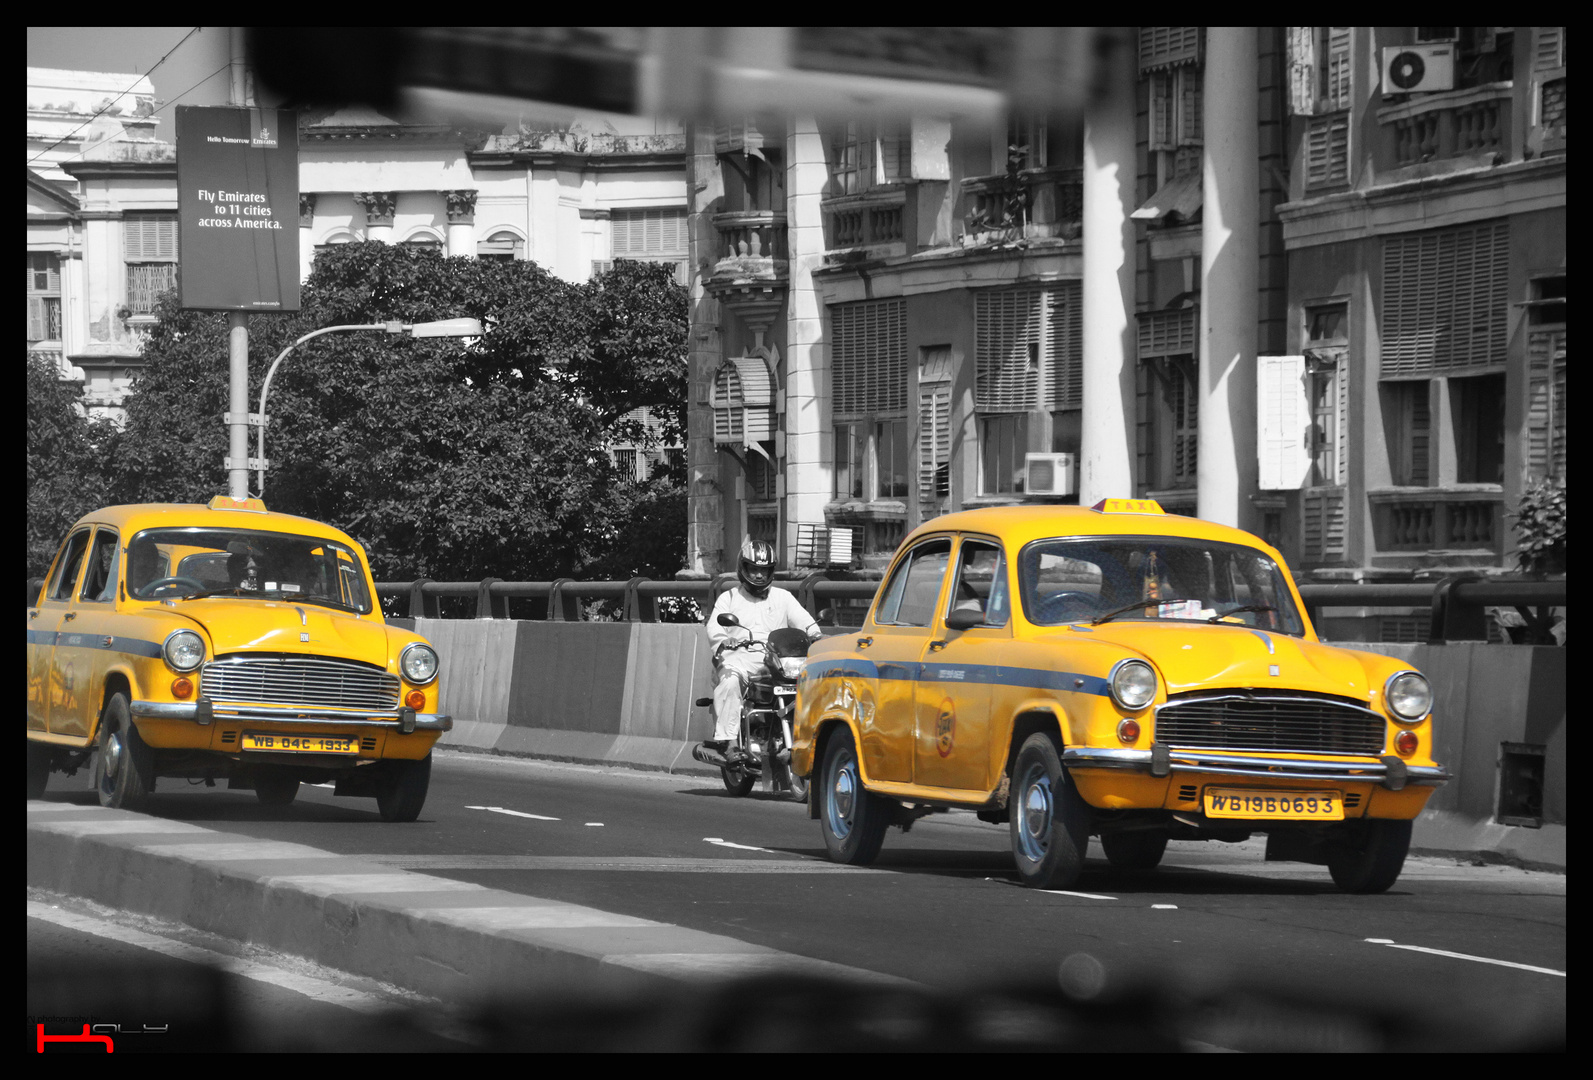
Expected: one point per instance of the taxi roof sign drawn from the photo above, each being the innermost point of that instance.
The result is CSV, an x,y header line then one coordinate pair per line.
x,y
1128,506
227,502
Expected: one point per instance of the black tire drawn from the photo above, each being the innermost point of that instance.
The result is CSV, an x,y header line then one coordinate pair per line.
x,y
275,789
1050,822
737,781
38,769
853,821
1369,859
401,789
124,772
1134,850
796,785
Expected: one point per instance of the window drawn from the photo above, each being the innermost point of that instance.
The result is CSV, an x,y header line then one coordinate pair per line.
x,y
657,236
1003,441
865,154
1327,391
981,582
1170,60
1407,422
99,584
934,428
149,247
1319,88
501,247
67,566
1477,407
1445,300
1546,400
44,296
869,365
909,598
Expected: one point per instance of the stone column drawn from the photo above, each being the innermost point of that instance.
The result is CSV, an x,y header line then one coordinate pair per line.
x,y
306,234
379,208
461,222
1229,253
1107,468
809,431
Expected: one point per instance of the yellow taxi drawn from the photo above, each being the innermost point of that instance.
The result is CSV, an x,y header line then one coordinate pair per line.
x,y
225,642
1112,671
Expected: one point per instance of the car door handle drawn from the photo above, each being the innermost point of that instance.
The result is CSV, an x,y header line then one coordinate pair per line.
x,y
864,642
936,646
69,616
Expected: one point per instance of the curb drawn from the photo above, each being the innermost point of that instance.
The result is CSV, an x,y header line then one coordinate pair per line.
x,y
1444,832
449,939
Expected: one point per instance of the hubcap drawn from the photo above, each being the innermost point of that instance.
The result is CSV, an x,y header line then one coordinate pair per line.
x,y
113,754
1036,810
843,798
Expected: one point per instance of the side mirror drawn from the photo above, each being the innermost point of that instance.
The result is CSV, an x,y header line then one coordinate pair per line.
x,y
964,619
727,619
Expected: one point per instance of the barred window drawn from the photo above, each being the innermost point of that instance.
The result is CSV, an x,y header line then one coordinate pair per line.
x,y
149,248
44,296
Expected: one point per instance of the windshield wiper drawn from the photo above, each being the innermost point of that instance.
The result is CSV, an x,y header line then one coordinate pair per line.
x,y
1237,610
328,602
1149,601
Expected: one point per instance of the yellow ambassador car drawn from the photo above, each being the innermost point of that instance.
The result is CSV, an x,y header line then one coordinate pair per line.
x,y
1111,671
225,642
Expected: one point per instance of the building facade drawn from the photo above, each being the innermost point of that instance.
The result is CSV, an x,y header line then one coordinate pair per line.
x,y
1257,280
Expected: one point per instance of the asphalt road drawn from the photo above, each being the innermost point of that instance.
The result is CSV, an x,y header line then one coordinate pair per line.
x,y
1227,950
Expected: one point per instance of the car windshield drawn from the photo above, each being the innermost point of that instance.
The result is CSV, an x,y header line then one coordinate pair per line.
x,y
173,564
1154,577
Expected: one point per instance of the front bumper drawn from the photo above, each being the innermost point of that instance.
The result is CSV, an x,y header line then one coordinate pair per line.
x,y
1159,760
205,711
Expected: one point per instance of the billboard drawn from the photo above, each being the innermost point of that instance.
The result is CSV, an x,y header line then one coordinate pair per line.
x,y
238,209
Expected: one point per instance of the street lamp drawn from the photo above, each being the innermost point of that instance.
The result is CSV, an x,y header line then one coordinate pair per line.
x,y
439,328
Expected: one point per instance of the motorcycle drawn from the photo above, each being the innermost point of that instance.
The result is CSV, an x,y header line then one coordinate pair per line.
x,y
767,712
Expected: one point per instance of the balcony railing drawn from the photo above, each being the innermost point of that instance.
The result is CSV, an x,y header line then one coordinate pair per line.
x,y
1437,519
872,219
1452,124
1043,203
751,247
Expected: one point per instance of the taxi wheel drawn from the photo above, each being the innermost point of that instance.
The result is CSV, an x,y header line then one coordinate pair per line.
x,y
274,789
853,821
737,781
1370,858
401,789
38,769
1134,850
123,771
1050,822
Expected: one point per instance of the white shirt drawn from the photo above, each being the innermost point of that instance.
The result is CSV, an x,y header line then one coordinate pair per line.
x,y
762,617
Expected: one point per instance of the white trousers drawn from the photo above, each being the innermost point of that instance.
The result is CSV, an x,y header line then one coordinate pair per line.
x,y
737,669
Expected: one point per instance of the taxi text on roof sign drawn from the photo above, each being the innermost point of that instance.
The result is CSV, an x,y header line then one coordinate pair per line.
x,y
1128,506
227,502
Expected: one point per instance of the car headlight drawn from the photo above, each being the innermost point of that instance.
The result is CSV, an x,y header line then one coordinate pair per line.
x,y
184,650
1133,684
418,662
1409,696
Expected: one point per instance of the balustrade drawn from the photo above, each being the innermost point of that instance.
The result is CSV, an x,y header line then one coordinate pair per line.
x,y
752,246
872,218
1437,519
1039,202
1451,124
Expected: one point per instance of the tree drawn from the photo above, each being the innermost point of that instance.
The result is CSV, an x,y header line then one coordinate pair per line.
x,y
66,461
446,459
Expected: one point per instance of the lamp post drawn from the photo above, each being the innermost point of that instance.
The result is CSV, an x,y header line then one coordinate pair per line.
x,y
439,328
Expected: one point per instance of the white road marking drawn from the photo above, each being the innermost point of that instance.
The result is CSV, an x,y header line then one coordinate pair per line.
x,y
1064,892
513,813
1464,956
714,840
1164,907
594,824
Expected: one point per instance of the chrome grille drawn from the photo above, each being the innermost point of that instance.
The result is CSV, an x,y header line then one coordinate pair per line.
x,y
308,681
1299,723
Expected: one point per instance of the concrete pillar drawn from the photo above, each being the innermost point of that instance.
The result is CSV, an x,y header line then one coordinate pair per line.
x,y
1230,250
461,223
705,539
1107,445
809,432
379,208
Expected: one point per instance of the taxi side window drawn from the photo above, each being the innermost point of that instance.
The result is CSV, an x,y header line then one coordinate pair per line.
x,y
909,598
68,565
99,584
981,582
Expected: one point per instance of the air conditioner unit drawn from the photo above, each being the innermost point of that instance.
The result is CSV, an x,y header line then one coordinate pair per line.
x,y
1418,69
1049,474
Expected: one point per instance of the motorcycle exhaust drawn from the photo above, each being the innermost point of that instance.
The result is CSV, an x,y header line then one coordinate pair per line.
x,y
709,757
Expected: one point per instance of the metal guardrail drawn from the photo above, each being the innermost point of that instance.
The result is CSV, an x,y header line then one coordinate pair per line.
x,y
1458,602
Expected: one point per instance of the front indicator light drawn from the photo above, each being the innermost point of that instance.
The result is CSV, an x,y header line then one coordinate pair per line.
x,y
1406,743
415,699
182,689
1128,731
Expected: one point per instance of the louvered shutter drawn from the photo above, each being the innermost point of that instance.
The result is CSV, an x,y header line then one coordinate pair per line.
x,y
149,237
1302,70
1420,420
1168,46
38,319
1341,430
1549,48
1546,403
1337,90
934,440
1445,300
869,357
1327,150
1161,115
1191,120
1283,413
1065,346
1323,525
1008,333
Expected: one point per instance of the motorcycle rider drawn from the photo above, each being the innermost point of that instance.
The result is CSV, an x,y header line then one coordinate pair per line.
x,y
761,608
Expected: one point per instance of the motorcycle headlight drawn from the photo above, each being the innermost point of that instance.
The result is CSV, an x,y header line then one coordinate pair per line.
x,y
791,666
184,650
418,662
1133,684
1409,696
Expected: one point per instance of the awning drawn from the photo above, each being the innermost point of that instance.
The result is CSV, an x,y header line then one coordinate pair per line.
x,y
1174,203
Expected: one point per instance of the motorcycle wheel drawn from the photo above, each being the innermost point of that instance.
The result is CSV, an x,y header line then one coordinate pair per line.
x,y
797,786
737,781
